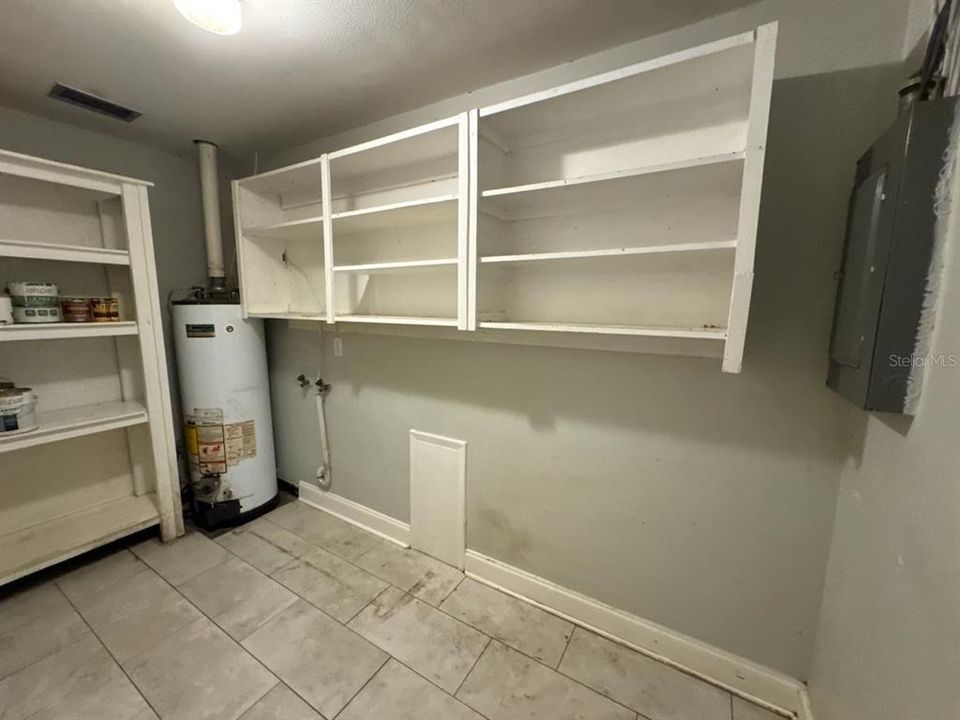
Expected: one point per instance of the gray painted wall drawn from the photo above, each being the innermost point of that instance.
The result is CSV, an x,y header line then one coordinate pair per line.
x,y
657,484
888,646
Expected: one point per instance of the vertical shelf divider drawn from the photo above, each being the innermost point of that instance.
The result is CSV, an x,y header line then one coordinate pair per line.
x,y
464,205
156,389
765,48
326,194
473,142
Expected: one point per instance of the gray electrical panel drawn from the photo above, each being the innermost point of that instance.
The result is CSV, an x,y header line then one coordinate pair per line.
x,y
887,257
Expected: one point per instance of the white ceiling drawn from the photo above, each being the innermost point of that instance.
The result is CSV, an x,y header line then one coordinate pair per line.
x,y
299,69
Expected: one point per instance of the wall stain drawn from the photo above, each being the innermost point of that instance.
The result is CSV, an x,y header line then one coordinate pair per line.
x,y
514,542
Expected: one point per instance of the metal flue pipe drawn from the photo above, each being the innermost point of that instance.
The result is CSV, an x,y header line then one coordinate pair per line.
x,y
210,192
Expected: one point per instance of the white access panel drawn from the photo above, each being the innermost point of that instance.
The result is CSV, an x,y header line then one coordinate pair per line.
x,y
438,472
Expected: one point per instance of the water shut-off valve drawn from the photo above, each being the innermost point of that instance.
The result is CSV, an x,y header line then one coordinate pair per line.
x,y
322,387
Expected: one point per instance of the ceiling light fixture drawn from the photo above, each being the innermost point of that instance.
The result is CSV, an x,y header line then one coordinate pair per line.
x,y
222,17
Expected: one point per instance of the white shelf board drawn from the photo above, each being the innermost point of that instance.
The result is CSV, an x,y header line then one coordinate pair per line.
x,y
701,333
302,178
101,184
708,175
396,266
306,229
282,315
410,213
58,331
398,320
616,174
612,252
55,425
63,253
434,144
38,546
700,72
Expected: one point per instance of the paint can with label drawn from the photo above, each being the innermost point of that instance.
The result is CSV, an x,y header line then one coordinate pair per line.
x,y
35,302
76,310
105,309
17,411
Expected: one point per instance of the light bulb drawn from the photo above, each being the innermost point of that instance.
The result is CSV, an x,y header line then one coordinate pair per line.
x,y
222,17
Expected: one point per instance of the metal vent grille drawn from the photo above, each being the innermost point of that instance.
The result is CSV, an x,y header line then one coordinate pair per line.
x,y
92,102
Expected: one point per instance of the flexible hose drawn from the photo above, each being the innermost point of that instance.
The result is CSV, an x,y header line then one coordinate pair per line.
x,y
323,472
324,478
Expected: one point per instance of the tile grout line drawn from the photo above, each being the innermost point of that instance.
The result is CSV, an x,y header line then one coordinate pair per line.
x,y
651,655
533,659
390,584
279,681
472,667
361,688
51,581
406,592
509,646
565,648
370,602
362,555
109,652
294,559
52,652
437,607
225,633
452,590
346,626
591,689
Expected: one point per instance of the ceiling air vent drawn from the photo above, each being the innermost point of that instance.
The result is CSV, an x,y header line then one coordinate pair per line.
x,y
92,102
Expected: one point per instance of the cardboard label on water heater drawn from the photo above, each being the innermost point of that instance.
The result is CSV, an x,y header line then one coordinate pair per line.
x,y
241,441
212,446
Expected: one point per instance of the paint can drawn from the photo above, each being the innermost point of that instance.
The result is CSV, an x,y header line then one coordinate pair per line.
x,y
17,411
76,310
105,309
34,302
6,310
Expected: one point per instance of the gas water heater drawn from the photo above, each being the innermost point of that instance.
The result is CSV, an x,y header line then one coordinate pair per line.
x,y
224,388
225,395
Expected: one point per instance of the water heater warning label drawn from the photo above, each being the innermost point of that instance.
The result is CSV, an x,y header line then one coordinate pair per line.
x,y
241,441
212,446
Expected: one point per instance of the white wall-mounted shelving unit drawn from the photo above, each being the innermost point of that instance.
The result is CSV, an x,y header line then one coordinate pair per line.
x,y
397,236
102,463
279,219
624,204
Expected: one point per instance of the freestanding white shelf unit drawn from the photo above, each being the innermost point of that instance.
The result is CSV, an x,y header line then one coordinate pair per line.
x,y
102,463
621,208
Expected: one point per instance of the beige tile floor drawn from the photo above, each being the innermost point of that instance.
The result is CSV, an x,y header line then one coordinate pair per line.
x,y
297,616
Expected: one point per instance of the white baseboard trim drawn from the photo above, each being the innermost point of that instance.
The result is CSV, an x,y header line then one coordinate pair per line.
x,y
353,512
806,710
747,679
743,677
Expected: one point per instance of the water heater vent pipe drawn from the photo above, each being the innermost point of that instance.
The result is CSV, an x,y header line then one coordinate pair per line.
x,y
210,192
